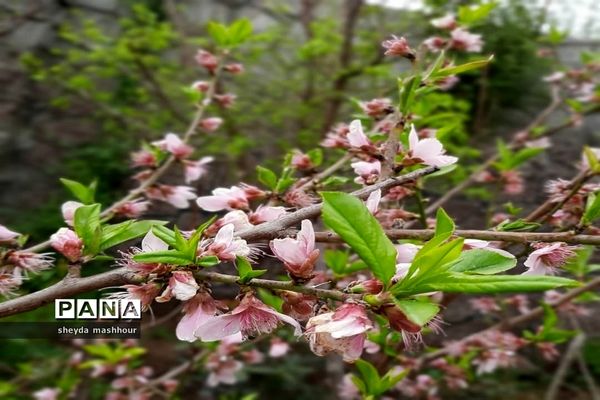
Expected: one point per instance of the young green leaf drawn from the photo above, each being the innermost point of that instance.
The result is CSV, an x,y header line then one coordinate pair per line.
x,y
207,261
113,235
483,262
172,257
592,209
443,223
349,217
245,270
456,282
87,225
418,312
83,193
267,177
459,69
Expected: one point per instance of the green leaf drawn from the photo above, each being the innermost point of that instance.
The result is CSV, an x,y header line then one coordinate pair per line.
x,y
267,177
473,14
83,193
88,228
165,234
456,282
370,376
418,312
592,209
484,262
443,223
517,226
207,261
429,260
218,32
408,88
270,299
336,260
459,69
172,257
239,31
316,156
592,159
245,270
349,217
113,235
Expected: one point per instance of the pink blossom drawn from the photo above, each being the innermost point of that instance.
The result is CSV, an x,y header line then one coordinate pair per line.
x,y
146,293
301,161
297,305
266,214
298,198
513,182
224,199
234,68
447,82
377,107
251,317
490,360
448,21
223,369
66,242
225,100
201,86
226,247
368,172
520,302
278,348
133,209
253,356
398,46
548,350
68,211
31,262
237,218
484,304
548,257
10,281
343,331
337,137
195,170
435,43
406,252
373,200
428,151
6,234
196,312
555,77
211,124
207,60
177,196
347,390
182,285
465,40
174,145
356,136
47,394
143,158
299,255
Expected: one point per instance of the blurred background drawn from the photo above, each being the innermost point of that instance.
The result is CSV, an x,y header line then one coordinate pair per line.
x,y
85,82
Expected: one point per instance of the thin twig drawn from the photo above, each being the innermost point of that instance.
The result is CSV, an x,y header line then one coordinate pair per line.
x,y
565,363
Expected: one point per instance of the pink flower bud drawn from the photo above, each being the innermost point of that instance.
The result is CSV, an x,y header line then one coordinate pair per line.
x,y
211,124
207,60
225,100
234,68
68,211
66,242
6,234
398,46
174,145
465,40
201,86
143,158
